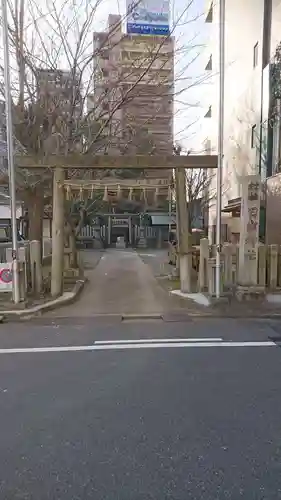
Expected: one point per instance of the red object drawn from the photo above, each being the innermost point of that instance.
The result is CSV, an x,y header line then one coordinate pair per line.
x,y
6,275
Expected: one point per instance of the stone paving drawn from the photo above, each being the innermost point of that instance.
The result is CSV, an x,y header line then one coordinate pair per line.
x,y
119,282
126,282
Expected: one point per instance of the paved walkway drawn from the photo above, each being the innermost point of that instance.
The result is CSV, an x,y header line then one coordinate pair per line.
x,y
121,283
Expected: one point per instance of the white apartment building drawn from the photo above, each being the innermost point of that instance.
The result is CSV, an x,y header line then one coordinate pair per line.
x,y
251,136
134,91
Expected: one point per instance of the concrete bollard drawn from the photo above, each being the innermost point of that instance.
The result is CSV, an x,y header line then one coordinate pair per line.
x,y
211,277
273,266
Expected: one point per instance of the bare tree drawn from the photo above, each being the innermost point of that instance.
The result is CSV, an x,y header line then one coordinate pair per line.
x,y
200,192
50,104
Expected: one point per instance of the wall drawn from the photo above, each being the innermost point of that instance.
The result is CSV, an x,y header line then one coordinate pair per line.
x,y
242,104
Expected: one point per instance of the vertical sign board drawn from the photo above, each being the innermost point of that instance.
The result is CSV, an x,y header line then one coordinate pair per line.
x,y
249,230
6,277
148,17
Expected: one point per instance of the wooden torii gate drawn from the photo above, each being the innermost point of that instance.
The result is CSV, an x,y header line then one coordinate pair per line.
x,y
60,164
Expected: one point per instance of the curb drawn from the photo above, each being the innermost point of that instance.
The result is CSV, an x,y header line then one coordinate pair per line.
x,y
65,299
256,317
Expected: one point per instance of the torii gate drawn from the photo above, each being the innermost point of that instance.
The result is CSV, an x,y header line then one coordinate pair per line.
x,y
59,164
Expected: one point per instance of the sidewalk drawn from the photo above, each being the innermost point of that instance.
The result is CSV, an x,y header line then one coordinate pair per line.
x,y
157,260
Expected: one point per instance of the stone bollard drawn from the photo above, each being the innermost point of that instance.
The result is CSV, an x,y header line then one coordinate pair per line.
x,y
262,265
66,258
273,266
228,251
203,267
279,267
212,277
159,239
22,280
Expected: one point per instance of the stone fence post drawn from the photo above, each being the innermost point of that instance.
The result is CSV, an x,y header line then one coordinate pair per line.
x,y
203,264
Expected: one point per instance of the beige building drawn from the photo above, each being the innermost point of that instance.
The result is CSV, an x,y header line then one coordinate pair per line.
x,y
133,91
251,135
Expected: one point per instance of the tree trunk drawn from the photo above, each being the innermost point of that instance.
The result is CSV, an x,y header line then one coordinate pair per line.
x,y
34,202
70,237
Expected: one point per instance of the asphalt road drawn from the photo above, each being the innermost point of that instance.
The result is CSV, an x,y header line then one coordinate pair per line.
x,y
140,423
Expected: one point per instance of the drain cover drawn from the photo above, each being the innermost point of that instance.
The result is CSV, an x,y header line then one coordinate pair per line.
x,y
141,317
176,317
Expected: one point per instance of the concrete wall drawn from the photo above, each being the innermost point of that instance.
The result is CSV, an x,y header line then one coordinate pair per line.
x,y
243,98
243,30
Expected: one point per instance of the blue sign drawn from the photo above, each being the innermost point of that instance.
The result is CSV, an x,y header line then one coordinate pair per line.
x,y
148,17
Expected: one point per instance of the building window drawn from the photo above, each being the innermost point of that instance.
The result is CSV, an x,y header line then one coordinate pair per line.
x,y
209,113
253,136
256,55
209,17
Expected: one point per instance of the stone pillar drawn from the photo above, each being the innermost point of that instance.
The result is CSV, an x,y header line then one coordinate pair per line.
x,y
203,264
273,266
262,265
130,231
249,231
109,224
228,251
159,238
57,233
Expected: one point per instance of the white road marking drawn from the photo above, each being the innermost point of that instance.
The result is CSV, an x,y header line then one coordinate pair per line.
x,y
157,341
112,347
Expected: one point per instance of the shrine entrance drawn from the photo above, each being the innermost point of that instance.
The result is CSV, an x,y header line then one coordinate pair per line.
x,y
120,227
62,184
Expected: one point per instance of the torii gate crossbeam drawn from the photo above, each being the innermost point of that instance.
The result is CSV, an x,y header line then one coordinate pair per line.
x,y
99,162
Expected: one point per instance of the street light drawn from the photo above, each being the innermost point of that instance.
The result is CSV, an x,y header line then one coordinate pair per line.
x,y
11,167
220,143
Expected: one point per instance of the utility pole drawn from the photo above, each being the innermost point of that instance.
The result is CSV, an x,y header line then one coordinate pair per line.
x,y
220,143
11,166
184,250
